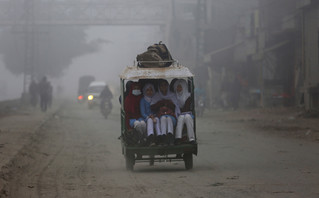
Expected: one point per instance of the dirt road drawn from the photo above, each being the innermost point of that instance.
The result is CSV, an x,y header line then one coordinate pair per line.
x,y
77,154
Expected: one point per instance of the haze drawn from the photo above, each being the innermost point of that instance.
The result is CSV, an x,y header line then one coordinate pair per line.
x,y
248,117
257,41
106,64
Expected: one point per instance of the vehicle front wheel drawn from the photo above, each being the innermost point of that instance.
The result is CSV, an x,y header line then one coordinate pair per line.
x,y
188,159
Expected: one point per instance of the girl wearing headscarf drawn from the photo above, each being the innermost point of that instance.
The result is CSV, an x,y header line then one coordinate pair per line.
x,y
132,110
149,116
165,105
185,117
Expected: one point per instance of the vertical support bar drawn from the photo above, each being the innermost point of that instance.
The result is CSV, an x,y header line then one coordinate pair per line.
x,y
200,36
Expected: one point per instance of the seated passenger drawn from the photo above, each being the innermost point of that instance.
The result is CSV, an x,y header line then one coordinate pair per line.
x,y
127,89
185,117
165,105
132,111
149,116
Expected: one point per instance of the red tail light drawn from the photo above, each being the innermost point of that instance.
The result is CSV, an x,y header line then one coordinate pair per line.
x,y
80,97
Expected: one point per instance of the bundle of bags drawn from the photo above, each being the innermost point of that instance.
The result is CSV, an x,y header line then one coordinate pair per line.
x,y
157,55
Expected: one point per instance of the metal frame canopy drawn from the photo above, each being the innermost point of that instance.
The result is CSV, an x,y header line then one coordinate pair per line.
x,y
136,73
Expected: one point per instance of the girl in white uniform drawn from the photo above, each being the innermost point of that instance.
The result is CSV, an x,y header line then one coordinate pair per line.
x,y
185,117
164,104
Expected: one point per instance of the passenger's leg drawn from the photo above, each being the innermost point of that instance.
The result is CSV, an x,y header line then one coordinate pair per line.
x,y
157,127
162,138
143,127
170,131
150,127
150,132
163,125
136,124
190,127
144,132
170,128
179,127
138,127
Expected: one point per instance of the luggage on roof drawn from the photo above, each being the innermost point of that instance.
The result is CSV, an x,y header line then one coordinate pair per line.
x,y
157,55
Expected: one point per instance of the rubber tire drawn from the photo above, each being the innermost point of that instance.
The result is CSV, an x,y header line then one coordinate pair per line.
x,y
188,160
129,161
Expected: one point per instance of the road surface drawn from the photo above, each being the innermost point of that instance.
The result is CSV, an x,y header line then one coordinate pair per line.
x,y
76,153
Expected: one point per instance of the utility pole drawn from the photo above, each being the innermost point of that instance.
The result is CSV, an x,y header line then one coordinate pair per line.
x,y
200,34
29,36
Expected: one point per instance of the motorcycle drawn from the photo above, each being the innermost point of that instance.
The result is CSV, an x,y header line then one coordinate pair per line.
x,y
200,106
106,108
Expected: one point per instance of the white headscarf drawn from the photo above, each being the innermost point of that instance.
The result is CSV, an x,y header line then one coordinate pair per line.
x,y
147,98
169,96
184,94
160,96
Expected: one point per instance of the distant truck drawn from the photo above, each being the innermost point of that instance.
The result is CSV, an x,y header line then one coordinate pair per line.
x,y
84,82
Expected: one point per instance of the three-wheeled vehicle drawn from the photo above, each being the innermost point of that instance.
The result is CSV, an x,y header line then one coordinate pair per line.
x,y
159,153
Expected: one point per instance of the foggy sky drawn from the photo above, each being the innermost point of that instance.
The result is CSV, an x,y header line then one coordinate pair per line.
x,y
125,43
105,65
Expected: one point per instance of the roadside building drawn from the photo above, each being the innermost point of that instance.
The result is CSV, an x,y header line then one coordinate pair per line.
x,y
307,74
272,46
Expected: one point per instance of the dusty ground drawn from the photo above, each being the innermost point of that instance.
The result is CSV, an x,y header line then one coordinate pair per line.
x,y
73,152
290,122
18,127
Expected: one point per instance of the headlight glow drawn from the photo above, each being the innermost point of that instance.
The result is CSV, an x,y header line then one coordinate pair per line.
x,y
90,97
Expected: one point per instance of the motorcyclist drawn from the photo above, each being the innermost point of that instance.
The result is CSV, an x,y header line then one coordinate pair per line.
x,y
106,96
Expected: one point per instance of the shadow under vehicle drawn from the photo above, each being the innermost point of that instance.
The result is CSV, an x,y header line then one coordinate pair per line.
x,y
158,153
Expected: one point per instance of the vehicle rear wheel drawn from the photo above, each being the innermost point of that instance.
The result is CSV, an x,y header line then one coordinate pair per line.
x,y
129,159
188,159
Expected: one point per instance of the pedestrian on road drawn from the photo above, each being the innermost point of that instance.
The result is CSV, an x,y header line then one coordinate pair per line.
x,y
50,94
44,90
33,91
